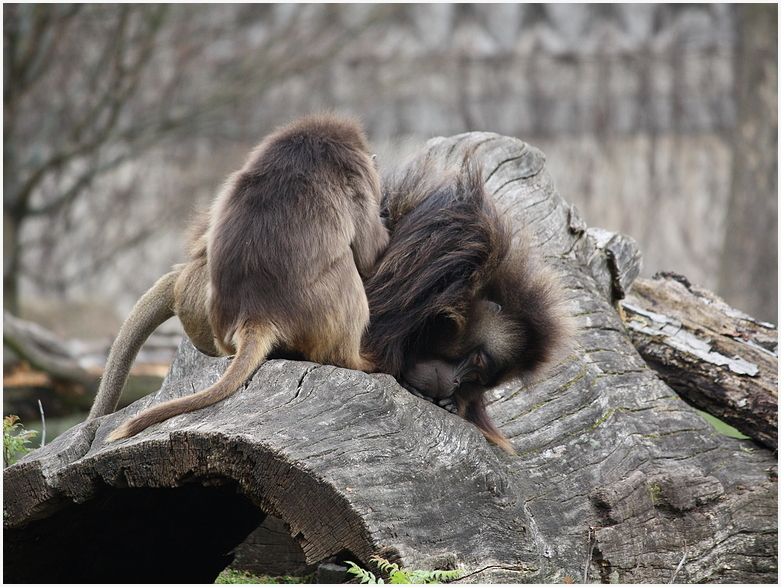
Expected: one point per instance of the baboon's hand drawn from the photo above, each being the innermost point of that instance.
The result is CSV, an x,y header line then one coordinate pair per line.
x,y
447,403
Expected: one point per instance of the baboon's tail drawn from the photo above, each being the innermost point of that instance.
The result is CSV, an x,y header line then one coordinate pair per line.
x,y
254,345
155,307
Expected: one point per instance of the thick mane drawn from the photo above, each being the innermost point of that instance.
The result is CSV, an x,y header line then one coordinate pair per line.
x,y
445,235
450,247
456,304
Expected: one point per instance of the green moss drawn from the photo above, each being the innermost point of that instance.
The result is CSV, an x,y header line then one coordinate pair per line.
x,y
234,577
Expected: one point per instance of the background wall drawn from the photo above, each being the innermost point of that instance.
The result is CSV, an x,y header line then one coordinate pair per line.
x,y
128,118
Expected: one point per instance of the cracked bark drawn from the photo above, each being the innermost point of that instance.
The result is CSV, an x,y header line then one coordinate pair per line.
x,y
615,479
717,358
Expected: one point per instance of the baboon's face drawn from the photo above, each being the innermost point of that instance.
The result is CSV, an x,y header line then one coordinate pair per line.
x,y
438,378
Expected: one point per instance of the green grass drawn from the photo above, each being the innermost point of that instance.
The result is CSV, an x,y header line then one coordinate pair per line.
x,y
721,427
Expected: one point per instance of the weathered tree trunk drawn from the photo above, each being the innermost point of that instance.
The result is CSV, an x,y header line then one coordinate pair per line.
x,y
59,381
615,479
44,351
717,358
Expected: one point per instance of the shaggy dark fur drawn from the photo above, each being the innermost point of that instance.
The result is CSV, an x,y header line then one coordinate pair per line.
x,y
454,293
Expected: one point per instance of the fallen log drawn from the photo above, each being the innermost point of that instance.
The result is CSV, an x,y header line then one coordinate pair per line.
x,y
718,359
616,479
43,351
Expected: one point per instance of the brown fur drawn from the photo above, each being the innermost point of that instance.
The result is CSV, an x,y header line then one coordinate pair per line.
x,y
457,305
191,293
287,242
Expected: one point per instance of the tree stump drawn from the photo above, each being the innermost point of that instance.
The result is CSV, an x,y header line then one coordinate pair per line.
x,y
615,479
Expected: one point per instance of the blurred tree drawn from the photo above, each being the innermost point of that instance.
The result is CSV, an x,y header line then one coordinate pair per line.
x,y
748,278
87,88
64,105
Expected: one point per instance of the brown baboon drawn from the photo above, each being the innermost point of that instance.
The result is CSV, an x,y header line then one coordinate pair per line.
x,y
288,240
456,305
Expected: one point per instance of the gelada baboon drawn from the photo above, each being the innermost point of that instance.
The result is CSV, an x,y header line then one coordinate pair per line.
x,y
456,305
288,240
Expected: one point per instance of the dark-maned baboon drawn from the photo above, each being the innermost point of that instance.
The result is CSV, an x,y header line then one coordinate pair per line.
x,y
288,240
456,305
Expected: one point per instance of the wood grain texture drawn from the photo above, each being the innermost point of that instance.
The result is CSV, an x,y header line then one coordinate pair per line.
x,y
615,479
717,358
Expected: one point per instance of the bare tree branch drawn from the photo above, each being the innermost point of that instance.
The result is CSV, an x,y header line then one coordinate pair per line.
x,y
91,87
